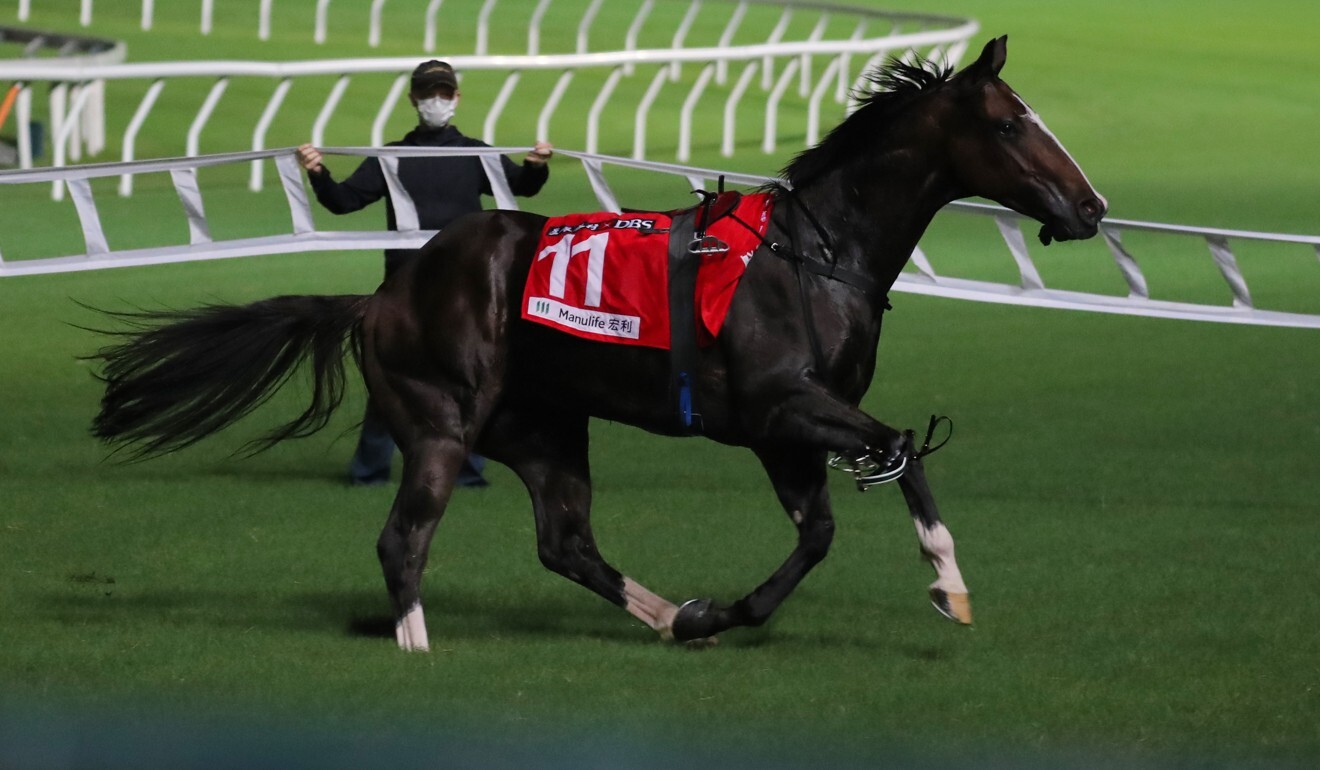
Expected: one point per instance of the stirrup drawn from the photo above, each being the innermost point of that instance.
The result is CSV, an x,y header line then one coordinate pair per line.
x,y
707,244
866,471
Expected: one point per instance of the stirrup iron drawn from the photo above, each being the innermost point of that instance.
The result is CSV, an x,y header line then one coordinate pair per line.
x,y
702,243
707,244
866,471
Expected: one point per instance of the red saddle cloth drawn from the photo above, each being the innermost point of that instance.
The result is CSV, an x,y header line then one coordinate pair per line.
x,y
605,276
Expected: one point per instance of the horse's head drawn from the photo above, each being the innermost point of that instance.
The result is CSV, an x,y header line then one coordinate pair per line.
x,y
1001,150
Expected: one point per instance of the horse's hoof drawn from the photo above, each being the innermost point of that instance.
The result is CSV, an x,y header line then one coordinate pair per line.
x,y
955,607
694,620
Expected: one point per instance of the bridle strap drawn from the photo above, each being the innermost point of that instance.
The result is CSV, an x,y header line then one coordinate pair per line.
x,y
828,269
817,352
863,283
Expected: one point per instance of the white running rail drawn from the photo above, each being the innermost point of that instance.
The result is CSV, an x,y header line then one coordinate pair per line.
x,y
304,236
71,130
431,23
907,35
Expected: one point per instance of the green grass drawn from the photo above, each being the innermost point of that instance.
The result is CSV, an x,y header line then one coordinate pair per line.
x,y
1134,500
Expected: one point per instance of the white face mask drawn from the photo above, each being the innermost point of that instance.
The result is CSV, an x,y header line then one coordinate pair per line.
x,y
436,112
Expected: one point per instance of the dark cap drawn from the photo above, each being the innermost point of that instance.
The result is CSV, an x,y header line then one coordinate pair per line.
x,y
433,74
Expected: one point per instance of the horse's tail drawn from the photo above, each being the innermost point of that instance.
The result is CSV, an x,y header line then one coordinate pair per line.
x,y
180,376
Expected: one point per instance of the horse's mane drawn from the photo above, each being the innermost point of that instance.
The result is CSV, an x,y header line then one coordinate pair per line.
x,y
892,87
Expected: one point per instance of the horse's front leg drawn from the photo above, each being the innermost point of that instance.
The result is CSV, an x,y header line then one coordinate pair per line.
x,y
810,413
948,593
798,476
814,415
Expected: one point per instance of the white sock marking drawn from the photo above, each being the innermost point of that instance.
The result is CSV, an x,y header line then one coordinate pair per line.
x,y
655,611
937,545
410,631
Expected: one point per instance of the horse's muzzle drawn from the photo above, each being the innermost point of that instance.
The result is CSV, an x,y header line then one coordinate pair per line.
x,y
1082,223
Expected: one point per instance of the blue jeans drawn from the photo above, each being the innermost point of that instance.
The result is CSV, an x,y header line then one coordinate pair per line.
x,y
375,452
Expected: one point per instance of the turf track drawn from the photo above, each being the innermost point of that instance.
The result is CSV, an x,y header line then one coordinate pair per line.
x,y
1134,500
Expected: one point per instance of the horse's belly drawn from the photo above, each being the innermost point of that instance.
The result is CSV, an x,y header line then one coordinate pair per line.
x,y
622,383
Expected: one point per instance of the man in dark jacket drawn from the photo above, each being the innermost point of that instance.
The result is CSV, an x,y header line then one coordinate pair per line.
x,y
442,189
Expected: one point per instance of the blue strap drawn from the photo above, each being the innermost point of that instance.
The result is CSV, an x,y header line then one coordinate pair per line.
x,y
685,398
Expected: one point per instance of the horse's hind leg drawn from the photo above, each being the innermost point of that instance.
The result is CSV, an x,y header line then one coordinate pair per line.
x,y
434,433
430,466
549,453
948,593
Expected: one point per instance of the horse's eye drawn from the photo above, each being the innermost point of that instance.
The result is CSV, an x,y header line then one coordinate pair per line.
x,y
1006,128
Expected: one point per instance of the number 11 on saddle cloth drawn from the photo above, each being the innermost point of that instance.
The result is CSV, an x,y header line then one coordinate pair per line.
x,y
605,276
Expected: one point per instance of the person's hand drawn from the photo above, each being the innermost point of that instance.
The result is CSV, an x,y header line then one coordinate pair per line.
x,y
541,153
310,158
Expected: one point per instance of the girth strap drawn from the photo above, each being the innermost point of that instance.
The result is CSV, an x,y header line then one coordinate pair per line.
x,y
683,360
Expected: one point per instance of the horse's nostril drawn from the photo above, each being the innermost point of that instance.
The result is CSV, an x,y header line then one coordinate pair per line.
x,y
1091,210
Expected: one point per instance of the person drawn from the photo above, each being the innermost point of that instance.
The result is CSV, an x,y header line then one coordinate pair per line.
x,y
442,189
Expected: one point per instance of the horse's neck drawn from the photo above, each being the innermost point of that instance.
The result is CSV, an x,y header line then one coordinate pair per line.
x,y
875,223
876,220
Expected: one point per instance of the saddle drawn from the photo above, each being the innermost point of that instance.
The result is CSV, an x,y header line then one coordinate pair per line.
x,y
630,284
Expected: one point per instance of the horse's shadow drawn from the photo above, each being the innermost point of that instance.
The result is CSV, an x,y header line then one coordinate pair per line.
x,y
454,613
461,614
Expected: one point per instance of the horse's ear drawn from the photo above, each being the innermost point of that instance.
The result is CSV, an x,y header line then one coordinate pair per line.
x,y
990,62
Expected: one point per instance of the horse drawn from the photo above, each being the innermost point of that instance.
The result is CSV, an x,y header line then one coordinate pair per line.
x,y
453,368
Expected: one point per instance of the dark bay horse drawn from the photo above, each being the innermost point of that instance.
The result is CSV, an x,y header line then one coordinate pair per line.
x,y
453,367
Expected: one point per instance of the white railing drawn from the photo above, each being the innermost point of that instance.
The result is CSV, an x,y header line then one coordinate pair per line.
x,y
777,60
304,236
70,132
431,21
